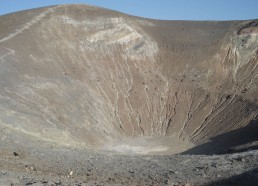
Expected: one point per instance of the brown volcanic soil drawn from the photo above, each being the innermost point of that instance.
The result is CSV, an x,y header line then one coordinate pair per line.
x,y
88,88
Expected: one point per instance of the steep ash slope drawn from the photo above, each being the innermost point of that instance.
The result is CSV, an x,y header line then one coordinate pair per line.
x,y
89,77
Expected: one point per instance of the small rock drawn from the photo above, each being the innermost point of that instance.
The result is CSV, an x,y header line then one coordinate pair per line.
x,y
51,183
166,181
71,173
32,168
200,168
214,165
218,176
30,183
37,184
58,182
174,172
131,171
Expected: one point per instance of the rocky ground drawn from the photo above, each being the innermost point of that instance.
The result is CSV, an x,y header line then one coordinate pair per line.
x,y
70,166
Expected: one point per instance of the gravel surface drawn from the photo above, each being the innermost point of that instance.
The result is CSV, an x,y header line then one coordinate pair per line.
x,y
71,166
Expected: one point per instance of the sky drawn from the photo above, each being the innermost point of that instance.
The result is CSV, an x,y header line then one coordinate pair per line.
x,y
156,9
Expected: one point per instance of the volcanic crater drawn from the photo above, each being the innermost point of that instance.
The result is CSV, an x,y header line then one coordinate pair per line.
x,y
85,77
89,77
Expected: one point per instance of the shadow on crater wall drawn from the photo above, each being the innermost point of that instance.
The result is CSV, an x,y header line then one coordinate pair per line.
x,y
238,140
